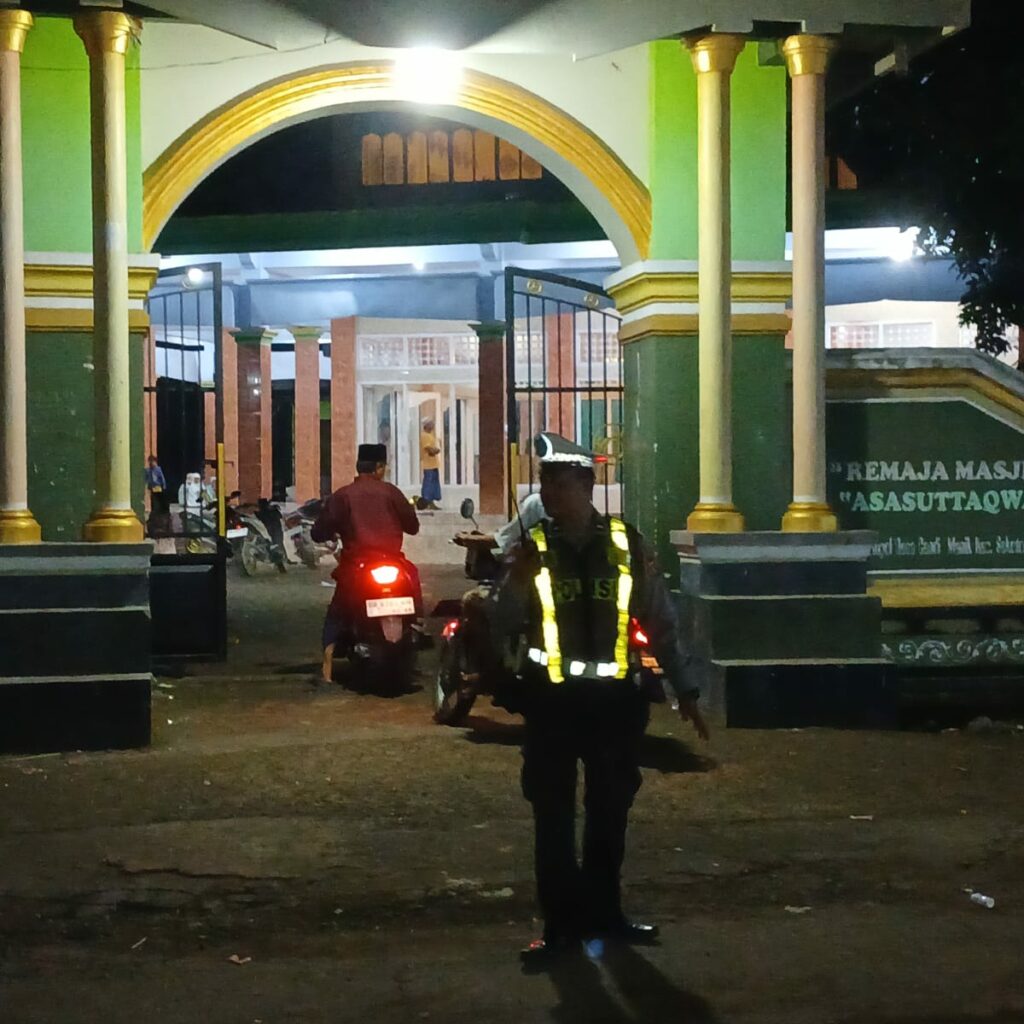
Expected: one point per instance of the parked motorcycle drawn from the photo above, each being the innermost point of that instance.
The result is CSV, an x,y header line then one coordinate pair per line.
x,y
380,613
258,546
298,525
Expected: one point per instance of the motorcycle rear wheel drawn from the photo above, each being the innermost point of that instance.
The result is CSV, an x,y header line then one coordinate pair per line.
x,y
250,557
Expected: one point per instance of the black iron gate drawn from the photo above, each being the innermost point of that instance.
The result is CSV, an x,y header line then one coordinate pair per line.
x,y
185,408
564,374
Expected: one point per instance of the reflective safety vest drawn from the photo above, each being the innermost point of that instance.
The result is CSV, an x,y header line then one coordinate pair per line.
x,y
550,656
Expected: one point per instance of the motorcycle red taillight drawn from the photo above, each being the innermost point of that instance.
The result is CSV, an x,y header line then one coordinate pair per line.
x,y
384,575
450,629
640,638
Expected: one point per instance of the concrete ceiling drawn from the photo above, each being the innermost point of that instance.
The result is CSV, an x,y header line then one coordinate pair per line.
x,y
582,28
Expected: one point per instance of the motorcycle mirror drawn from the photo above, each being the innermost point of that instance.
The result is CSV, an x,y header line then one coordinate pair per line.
x,y
468,510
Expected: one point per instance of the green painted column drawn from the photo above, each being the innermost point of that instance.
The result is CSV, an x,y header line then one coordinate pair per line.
x,y
659,300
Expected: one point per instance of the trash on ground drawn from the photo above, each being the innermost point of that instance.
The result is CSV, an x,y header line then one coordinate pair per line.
x,y
797,910
240,960
454,885
141,942
862,817
498,894
982,900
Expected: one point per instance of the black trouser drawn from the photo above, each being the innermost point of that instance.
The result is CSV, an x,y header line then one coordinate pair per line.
x,y
600,723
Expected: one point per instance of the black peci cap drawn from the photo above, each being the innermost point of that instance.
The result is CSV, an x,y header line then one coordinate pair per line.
x,y
375,453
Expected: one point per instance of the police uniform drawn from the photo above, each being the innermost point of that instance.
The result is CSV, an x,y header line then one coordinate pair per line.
x,y
568,623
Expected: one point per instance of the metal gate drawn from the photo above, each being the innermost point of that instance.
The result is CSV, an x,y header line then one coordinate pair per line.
x,y
564,374
184,407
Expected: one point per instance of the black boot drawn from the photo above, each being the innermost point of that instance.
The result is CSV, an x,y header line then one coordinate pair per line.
x,y
633,933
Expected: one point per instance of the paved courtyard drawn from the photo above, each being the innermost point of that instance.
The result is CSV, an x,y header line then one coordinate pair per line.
x,y
285,853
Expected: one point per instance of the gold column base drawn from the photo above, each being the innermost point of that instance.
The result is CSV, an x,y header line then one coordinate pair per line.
x,y
709,518
114,526
809,517
19,526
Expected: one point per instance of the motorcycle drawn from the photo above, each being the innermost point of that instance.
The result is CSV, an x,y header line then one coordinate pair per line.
x,y
380,614
257,546
459,678
298,525
459,681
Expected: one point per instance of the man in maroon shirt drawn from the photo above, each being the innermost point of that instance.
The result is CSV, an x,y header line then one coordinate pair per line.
x,y
367,515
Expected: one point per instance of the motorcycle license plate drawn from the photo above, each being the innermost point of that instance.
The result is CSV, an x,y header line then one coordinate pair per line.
x,y
377,608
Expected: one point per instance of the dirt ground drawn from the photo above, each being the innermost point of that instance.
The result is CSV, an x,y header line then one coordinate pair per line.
x,y
284,853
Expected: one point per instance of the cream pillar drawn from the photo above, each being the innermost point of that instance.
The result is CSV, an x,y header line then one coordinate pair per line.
x,y
106,35
714,57
807,59
17,524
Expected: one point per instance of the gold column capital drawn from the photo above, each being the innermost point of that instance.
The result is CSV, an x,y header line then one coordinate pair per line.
x,y
105,31
303,333
14,26
807,54
716,51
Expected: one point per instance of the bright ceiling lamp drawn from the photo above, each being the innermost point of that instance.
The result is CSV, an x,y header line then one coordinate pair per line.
x,y
428,75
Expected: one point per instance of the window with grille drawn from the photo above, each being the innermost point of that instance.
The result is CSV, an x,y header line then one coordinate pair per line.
x,y
382,352
854,336
438,156
908,335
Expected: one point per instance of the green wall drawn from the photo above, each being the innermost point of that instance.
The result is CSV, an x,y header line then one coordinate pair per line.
x,y
660,463
55,141
61,428
942,481
758,156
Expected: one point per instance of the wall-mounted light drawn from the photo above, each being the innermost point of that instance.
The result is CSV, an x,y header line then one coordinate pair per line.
x,y
194,276
428,75
903,246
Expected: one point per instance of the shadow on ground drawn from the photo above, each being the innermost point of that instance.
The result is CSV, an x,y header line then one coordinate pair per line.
x,y
644,993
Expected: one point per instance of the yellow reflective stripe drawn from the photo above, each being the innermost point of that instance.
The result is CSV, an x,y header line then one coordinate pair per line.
x,y
620,540
549,622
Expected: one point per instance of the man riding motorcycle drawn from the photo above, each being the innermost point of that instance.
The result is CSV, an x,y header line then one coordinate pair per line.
x,y
368,515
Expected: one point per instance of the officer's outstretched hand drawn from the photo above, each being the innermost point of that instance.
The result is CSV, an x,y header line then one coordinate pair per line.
x,y
690,712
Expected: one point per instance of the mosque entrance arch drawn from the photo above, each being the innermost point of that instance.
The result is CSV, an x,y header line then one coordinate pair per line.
x,y
590,170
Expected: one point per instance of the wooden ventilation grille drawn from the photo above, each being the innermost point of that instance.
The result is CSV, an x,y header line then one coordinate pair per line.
x,y
427,158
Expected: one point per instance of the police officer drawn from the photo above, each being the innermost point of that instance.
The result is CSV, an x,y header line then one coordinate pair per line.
x,y
566,620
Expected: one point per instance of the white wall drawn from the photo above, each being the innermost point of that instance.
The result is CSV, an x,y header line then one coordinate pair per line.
x,y
944,316
189,70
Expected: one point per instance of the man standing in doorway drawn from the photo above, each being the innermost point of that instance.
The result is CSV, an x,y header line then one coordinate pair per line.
x,y
430,463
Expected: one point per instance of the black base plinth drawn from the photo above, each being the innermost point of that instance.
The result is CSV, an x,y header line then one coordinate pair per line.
x,y
74,647
863,696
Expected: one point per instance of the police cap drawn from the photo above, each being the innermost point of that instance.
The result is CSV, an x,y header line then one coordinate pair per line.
x,y
553,449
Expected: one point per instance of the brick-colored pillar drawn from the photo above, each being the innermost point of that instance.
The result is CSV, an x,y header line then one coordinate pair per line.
x,y
560,334
209,426
343,401
255,464
229,363
307,412
493,403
